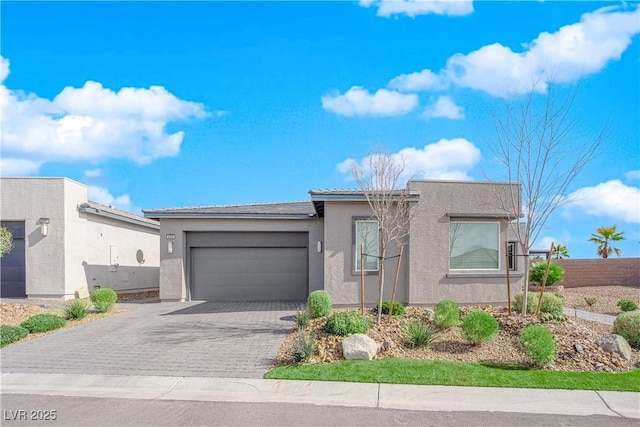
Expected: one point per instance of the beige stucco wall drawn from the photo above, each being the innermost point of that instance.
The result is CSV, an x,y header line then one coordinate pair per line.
x,y
430,278
28,200
76,251
340,279
174,268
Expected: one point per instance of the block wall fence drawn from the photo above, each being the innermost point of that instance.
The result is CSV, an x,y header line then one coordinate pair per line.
x,y
599,272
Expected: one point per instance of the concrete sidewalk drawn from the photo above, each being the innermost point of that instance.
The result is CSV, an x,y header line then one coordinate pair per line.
x,y
390,396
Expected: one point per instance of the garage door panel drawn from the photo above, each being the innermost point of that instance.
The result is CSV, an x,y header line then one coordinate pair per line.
x,y
249,274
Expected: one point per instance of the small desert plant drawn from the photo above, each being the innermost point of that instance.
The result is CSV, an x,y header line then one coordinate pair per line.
x,y
556,317
591,301
398,308
627,324
538,344
76,309
447,314
559,295
43,323
479,327
347,323
532,302
319,304
551,304
304,347
418,333
302,319
536,274
104,299
627,305
10,334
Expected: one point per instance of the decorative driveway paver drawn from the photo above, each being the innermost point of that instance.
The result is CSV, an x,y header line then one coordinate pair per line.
x,y
204,339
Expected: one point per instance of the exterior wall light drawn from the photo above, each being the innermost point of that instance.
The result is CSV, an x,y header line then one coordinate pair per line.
x,y
170,238
319,246
44,226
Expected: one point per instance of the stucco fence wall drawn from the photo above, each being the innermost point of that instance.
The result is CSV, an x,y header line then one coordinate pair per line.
x,y
599,272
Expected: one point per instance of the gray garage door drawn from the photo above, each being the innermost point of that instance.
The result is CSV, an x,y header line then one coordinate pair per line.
x,y
248,266
12,265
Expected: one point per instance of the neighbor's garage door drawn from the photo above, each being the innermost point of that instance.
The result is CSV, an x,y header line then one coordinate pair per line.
x,y
12,265
248,266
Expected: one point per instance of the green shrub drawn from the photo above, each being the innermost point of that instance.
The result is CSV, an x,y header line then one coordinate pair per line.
x,y
556,317
304,347
319,304
559,295
536,273
627,324
446,314
76,309
479,327
532,302
418,333
347,323
104,299
627,305
302,319
398,308
591,301
10,334
551,304
538,344
43,323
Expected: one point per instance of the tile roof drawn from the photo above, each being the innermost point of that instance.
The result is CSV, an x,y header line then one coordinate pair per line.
x,y
279,209
104,210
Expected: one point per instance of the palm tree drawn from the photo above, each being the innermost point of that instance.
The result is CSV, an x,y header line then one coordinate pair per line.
x,y
561,252
603,237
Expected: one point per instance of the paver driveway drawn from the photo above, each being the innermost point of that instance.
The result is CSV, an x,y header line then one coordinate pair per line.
x,y
235,340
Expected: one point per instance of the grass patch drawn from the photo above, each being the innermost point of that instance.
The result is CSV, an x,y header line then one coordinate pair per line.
x,y
471,374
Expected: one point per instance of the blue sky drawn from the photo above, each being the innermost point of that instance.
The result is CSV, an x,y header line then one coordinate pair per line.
x,y
159,104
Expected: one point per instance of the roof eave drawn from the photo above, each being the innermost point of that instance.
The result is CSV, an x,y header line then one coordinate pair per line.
x,y
98,212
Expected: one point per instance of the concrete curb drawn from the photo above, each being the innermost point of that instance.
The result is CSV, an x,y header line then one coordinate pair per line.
x,y
389,396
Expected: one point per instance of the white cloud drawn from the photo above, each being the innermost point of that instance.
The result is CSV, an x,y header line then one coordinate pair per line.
x,y
4,69
412,8
18,167
357,101
572,52
545,243
102,195
633,175
93,173
93,123
612,200
419,81
447,159
445,108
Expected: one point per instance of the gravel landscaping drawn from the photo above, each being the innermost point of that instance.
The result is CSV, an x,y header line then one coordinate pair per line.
x,y
449,344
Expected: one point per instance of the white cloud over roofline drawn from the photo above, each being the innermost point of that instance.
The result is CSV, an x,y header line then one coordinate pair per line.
x,y
612,200
446,159
90,123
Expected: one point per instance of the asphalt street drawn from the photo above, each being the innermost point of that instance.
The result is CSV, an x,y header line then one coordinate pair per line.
x,y
88,411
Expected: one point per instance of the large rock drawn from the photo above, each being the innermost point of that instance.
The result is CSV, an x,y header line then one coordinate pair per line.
x,y
359,347
615,344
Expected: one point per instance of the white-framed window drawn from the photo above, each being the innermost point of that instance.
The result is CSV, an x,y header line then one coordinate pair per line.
x,y
474,245
512,256
365,232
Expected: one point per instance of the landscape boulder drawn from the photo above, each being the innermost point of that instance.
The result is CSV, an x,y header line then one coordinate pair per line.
x,y
615,344
359,347
430,314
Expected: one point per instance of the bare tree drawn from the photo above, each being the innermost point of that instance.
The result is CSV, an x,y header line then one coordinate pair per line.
x,y
379,179
538,145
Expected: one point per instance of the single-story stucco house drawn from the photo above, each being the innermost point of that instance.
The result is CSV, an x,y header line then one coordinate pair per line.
x,y
63,242
284,251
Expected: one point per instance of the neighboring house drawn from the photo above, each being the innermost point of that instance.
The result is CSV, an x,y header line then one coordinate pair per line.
x,y
63,242
284,251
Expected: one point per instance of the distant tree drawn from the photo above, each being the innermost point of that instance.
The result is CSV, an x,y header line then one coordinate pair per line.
x,y
603,236
6,241
379,178
539,147
561,252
